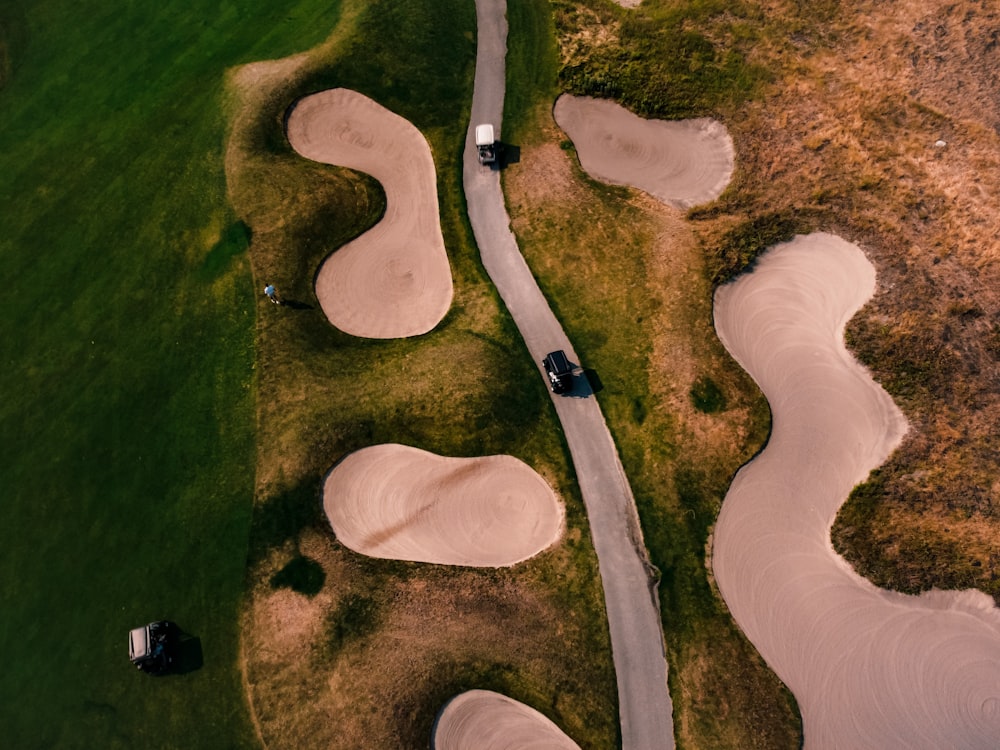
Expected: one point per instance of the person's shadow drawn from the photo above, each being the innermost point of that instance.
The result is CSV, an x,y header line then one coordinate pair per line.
x,y
296,304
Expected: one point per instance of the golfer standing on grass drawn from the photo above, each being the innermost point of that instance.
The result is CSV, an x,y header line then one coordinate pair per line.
x,y
272,294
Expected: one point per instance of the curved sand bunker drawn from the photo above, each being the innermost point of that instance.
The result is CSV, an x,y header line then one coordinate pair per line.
x,y
394,280
484,720
869,668
682,163
397,502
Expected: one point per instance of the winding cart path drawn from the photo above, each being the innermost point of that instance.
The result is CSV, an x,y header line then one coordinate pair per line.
x,y
633,613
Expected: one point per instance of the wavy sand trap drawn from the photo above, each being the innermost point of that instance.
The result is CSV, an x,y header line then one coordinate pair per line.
x,y
484,720
869,668
402,503
394,280
683,163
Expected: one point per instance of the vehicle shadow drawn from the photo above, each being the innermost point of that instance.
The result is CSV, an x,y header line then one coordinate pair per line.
x,y
508,154
189,657
585,384
593,381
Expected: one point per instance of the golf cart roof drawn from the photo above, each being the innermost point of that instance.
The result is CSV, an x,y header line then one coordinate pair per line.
x,y
138,643
484,135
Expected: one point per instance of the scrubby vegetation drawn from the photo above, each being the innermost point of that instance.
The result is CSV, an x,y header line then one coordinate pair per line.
x,y
825,140
665,59
881,133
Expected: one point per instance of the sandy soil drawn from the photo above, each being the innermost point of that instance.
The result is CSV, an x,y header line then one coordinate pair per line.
x,y
869,668
484,720
394,280
394,501
683,163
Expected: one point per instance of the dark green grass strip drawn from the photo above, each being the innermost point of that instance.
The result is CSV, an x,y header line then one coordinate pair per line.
x,y
127,417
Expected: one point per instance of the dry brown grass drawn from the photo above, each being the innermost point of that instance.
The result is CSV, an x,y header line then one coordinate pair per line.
x,y
846,137
320,678
843,139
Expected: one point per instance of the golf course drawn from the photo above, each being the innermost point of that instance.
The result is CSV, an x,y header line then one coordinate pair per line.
x,y
371,520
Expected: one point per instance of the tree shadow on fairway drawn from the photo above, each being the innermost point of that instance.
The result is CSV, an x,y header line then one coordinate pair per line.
x,y
301,574
282,516
233,240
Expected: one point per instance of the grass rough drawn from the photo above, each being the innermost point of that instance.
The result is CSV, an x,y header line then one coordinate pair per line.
x,y
383,644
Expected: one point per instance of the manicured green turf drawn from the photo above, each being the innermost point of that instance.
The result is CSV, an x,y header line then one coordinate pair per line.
x,y
127,417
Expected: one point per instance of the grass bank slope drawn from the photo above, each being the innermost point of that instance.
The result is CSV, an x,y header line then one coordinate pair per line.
x,y
380,645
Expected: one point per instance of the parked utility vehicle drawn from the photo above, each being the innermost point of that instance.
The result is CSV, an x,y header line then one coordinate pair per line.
x,y
486,143
152,647
559,370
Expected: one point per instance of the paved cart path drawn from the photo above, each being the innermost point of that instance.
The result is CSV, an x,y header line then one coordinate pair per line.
x,y
633,613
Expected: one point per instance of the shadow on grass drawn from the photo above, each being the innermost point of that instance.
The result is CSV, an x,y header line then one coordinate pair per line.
x,y
283,516
190,657
593,380
234,240
509,154
706,396
296,304
302,574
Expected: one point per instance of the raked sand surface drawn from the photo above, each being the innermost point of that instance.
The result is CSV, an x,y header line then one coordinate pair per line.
x,y
683,163
484,720
869,668
398,502
394,280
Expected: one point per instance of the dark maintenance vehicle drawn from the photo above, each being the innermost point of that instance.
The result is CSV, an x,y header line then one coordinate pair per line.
x,y
559,371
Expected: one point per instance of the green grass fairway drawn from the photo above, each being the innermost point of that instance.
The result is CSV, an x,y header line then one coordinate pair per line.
x,y
127,419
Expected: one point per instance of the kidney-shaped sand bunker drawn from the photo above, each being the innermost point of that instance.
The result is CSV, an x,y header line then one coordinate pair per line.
x,y
484,720
398,502
680,162
394,280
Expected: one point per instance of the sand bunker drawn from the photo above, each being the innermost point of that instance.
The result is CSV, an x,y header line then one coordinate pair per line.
x,y
394,280
682,163
483,720
869,668
402,503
